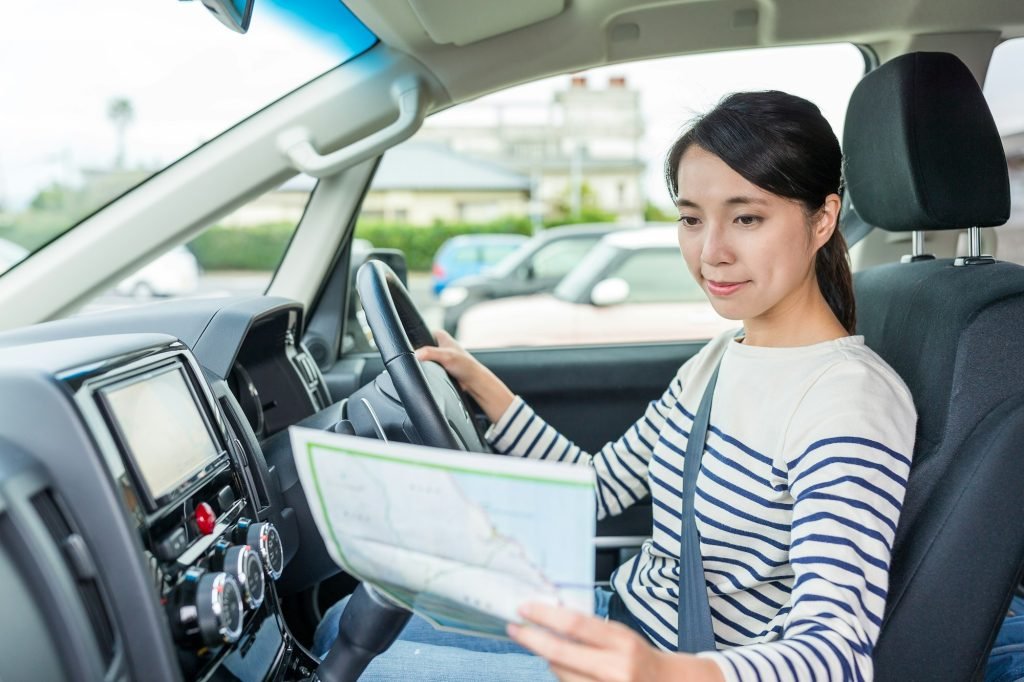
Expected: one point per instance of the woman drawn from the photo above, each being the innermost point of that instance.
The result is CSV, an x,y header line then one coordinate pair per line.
x,y
807,451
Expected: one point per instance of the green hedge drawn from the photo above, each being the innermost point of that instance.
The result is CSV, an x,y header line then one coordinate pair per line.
x,y
259,247
242,248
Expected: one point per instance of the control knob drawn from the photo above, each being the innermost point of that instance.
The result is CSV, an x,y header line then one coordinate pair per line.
x,y
242,563
206,608
263,537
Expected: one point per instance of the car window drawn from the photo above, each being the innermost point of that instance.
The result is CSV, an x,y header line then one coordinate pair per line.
x,y
106,95
236,255
1006,99
556,259
578,151
657,276
493,254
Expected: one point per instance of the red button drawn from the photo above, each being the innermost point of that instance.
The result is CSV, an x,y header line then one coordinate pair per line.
x,y
206,520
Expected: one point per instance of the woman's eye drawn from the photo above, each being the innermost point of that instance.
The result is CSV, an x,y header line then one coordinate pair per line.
x,y
689,221
748,220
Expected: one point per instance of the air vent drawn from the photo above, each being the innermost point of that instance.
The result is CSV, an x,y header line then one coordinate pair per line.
x,y
81,566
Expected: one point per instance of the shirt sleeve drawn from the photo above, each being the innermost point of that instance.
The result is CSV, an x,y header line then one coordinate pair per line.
x,y
847,453
620,467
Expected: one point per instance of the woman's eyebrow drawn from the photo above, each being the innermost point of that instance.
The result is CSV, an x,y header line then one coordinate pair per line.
x,y
731,201
745,200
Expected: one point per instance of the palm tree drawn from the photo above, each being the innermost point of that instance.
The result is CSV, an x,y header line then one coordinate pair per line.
x,y
121,113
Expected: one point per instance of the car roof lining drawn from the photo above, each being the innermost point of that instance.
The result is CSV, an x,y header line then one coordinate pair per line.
x,y
601,32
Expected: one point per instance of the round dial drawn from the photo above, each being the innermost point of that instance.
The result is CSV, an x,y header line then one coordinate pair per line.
x,y
242,563
219,608
206,608
267,542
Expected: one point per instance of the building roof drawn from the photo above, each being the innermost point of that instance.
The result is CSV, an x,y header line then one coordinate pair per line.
x,y
426,166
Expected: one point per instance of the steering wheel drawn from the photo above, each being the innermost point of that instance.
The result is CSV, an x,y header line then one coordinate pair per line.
x,y
434,403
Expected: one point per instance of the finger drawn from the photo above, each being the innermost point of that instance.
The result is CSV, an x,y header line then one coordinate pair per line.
x,y
445,340
575,625
566,675
426,353
578,659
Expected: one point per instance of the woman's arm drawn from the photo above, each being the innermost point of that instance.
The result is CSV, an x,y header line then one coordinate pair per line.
x,y
847,451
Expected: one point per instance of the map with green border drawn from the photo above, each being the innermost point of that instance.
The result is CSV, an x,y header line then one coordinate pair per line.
x,y
462,539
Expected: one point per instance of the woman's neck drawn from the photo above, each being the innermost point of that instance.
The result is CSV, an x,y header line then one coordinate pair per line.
x,y
805,318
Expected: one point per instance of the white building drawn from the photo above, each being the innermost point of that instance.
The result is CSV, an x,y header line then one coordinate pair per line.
x,y
583,148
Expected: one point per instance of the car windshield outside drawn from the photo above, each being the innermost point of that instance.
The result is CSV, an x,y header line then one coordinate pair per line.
x,y
105,95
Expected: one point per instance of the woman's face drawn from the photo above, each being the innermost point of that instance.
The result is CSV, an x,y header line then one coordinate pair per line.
x,y
751,251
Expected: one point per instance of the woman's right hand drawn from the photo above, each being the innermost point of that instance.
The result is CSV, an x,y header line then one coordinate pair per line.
x,y
487,389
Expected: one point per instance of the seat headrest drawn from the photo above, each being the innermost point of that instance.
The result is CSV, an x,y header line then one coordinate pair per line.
x,y
921,149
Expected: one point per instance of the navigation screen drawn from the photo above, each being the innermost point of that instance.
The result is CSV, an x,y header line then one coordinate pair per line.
x,y
168,439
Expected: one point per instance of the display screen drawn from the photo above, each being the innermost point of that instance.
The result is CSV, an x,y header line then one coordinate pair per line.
x,y
165,432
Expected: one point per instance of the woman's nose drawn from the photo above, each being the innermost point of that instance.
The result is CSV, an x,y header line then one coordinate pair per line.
x,y
716,249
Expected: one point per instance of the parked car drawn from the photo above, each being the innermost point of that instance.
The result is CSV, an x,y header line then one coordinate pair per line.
x,y
176,273
632,287
536,266
469,254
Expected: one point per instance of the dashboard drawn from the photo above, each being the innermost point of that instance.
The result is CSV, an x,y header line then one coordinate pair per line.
x,y
150,514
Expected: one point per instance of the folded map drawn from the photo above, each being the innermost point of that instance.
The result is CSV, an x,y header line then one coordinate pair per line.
x,y
461,539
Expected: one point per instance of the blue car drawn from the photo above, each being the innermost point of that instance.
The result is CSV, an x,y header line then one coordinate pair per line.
x,y
469,254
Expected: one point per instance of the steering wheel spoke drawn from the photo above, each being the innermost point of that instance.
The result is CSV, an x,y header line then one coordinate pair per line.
x,y
435,406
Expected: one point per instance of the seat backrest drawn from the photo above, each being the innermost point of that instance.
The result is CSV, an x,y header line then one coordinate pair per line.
x,y
922,153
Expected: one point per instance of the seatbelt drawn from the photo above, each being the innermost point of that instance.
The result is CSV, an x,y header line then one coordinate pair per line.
x,y
695,632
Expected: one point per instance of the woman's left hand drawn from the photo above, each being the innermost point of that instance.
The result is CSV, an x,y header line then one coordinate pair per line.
x,y
582,647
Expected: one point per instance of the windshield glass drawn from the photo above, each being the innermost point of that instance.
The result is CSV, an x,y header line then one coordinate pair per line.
x,y
98,97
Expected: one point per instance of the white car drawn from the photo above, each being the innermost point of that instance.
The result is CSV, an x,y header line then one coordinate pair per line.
x,y
631,287
176,273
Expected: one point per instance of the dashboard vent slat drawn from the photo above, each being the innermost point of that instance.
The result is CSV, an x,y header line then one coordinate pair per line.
x,y
81,566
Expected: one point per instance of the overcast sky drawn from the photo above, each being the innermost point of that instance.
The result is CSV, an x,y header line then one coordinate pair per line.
x,y
189,78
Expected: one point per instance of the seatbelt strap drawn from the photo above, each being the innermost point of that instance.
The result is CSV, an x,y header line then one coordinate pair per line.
x,y
695,631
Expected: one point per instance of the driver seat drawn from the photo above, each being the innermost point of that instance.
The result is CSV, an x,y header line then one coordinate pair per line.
x,y
923,153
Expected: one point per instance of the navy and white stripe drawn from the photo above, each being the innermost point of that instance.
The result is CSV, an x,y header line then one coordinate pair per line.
x,y
800,489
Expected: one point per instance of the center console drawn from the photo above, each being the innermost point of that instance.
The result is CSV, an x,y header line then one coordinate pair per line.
x,y
179,471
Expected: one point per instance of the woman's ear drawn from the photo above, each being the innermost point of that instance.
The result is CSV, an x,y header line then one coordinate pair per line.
x,y
826,221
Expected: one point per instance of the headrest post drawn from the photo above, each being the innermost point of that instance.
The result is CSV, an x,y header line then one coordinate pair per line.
x,y
973,256
974,242
916,243
917,249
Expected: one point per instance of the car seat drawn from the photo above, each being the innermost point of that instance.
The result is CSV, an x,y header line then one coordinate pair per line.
x,y
922,153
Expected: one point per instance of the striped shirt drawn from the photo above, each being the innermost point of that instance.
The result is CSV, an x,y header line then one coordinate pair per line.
x,y
800,488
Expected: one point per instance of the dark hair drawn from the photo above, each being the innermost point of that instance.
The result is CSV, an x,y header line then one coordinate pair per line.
x,y
782,144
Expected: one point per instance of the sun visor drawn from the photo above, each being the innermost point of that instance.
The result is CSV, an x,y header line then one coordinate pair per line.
x,y
460,23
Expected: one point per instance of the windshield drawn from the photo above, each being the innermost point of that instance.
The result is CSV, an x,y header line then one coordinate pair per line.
x,y
99,96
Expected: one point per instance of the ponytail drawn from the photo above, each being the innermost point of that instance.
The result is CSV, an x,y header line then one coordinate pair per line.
x,y
832,268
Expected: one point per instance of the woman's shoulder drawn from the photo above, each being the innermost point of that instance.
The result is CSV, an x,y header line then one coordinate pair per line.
x,y
862,373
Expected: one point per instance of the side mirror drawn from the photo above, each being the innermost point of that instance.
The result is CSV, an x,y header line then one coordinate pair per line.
x,y
235,14
612,291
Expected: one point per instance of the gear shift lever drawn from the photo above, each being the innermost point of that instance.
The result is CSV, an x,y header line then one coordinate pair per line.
x,y
369,624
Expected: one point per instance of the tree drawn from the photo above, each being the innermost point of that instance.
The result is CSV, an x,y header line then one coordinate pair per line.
x,y
122,114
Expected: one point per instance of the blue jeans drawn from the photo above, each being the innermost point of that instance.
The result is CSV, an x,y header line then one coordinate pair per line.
x,y
1006,662
423,653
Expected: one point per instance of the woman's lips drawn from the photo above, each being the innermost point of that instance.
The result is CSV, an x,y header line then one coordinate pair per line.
x,y
723,288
